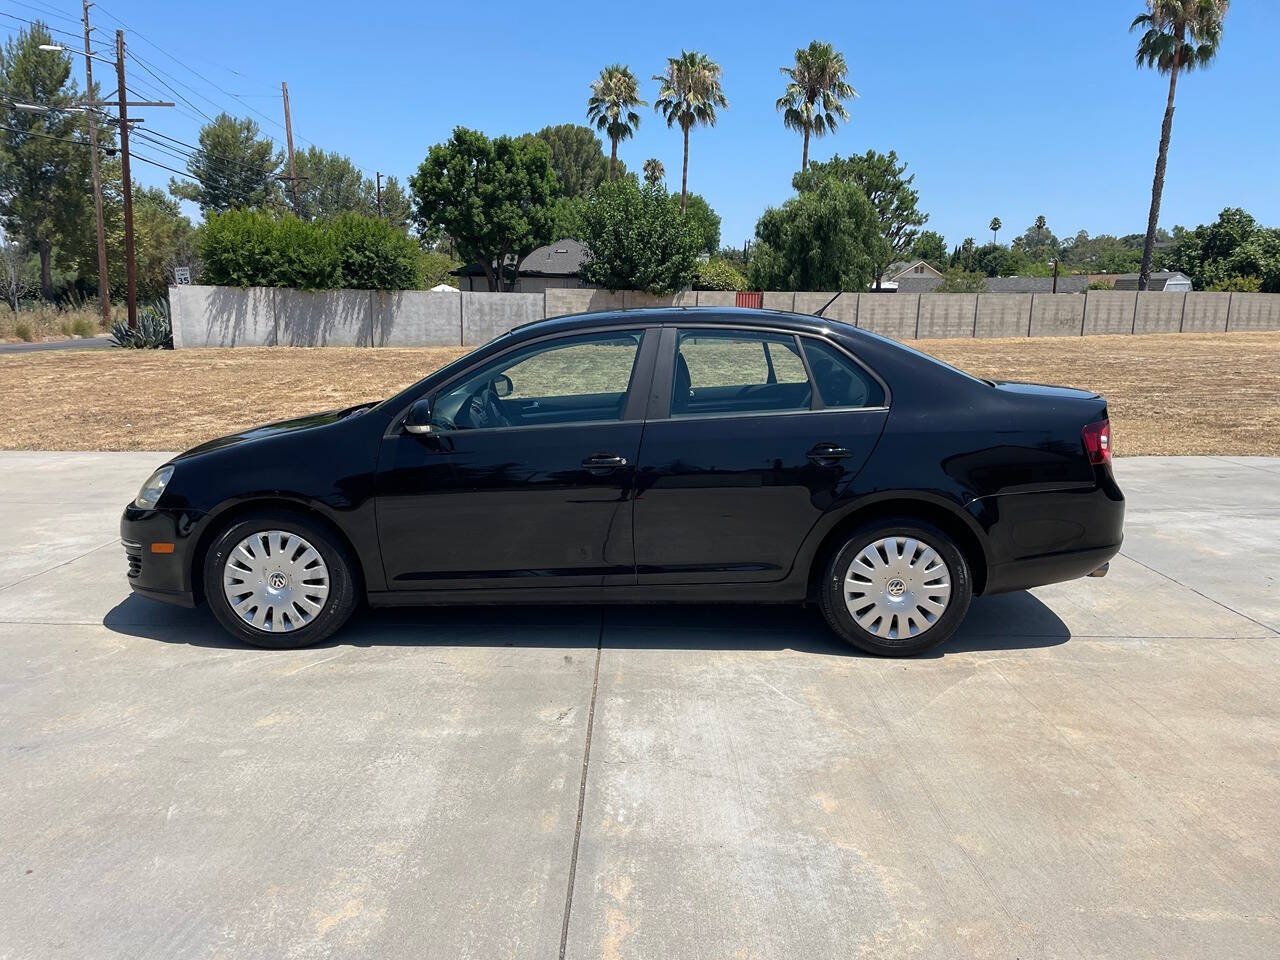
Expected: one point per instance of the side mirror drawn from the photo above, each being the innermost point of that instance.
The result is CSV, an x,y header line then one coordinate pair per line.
x,y
418,419
503,386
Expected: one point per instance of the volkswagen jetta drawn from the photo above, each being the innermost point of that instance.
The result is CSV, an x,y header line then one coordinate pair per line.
x,y
669,455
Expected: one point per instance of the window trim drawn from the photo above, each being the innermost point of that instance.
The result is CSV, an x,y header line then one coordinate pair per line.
x,y
659,405
633,408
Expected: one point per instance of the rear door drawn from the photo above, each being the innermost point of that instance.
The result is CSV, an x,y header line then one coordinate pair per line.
x,y
752,434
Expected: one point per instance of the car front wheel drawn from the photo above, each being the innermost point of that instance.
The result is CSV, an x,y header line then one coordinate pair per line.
x,y
896,587
275,580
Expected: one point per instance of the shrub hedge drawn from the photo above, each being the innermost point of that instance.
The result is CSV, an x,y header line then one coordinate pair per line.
x,y
250,248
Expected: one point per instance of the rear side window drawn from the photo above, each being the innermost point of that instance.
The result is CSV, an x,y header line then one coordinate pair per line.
x,y
737,371
841,382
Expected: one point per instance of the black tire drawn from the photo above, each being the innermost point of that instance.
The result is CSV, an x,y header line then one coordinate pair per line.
x,y
841,620
338,605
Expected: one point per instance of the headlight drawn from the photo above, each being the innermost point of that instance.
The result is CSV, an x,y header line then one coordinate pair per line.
x,y
150,493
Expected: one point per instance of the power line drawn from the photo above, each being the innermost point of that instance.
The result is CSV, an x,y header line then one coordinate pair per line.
x,y
46,12
41,23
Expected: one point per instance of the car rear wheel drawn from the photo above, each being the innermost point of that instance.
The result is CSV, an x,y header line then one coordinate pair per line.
x,y
275,580
896,587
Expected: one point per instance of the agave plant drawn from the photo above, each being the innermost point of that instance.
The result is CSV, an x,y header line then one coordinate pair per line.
x,y
154,331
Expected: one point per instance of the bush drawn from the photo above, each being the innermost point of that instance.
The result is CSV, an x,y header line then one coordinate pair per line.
x,y
962,281
247,248
1237,285
22,330
82,326
153,332
637,239
435,268
718,274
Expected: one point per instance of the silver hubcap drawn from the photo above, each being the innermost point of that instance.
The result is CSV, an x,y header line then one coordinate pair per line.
x,y
897,588
275,581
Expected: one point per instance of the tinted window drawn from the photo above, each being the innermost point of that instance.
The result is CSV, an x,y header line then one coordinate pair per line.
x,y
841,382
570,380
730,371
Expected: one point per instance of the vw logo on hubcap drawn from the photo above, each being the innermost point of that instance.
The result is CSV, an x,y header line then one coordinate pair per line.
x,y
277,581
896,587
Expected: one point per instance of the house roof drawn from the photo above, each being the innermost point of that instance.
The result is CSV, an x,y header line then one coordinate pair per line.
x,y
1159,279
900,268
560,259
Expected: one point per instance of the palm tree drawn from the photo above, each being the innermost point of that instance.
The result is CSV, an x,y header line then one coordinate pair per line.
x,y
614,97
654,171
816,86
1178,35
994,226
688,95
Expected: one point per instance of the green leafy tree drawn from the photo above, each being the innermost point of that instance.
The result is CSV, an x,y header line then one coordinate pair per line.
x,y
373,254
1103,253
994,226
234,169
718,274
825,238
813,102
1038,242
997,260
883,180
638,239
930,246
963,256
1225,253
397,208
612,108
1177,35
689,93
162,239
703,221
566,218
330,184
44,160
493,198
576,157
956,280
654,171
436,267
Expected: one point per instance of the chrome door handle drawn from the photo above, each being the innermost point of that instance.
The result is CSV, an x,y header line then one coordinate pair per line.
x,y
828,453
604,461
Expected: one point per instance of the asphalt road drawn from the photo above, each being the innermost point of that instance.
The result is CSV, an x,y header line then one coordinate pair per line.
x,y
102,342
1088,770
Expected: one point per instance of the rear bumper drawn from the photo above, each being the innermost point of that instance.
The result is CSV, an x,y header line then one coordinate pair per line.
x,y
159,576
1050,568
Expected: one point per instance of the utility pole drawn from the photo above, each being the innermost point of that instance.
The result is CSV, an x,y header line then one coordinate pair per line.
x,y
378,175
91,118
288,133
131,270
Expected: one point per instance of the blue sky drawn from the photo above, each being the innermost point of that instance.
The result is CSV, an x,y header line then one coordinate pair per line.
x,y
1000,108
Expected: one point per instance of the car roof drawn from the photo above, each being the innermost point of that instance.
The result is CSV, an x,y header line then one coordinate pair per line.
x,y
730,316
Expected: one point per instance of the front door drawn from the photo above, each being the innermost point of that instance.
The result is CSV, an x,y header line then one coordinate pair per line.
x,y
763,432
527,478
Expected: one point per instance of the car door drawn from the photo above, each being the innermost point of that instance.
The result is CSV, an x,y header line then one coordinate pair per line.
x,y
752,434
527,476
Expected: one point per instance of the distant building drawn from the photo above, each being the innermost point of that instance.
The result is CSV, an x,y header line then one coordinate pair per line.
x,y
915,270
1170,281
555,266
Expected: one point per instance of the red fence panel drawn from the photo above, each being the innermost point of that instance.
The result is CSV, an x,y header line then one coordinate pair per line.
x,y
747,298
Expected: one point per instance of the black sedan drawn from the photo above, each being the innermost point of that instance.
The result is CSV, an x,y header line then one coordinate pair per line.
x,y
652,456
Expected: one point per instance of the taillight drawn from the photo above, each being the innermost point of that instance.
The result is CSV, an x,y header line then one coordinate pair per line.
x,y
1097,442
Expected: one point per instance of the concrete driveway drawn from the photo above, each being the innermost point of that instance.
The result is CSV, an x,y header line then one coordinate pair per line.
x,y
1089,770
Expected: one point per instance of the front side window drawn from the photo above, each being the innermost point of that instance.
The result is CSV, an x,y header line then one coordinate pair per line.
x,y
841,382
737,371
578,379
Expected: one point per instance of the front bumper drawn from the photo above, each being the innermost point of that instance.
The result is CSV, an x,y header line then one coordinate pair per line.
x,y
159,575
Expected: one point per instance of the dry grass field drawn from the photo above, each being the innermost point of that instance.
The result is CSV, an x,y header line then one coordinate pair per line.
x,y
1169,394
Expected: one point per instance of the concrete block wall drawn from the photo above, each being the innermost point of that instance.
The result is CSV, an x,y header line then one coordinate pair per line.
x,y
1003,315
1158,312
1110,311
948,315
1253,311
1056,315
1205,312
259,316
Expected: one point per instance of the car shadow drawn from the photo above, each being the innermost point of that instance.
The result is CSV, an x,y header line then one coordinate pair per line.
x,y
1006,622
